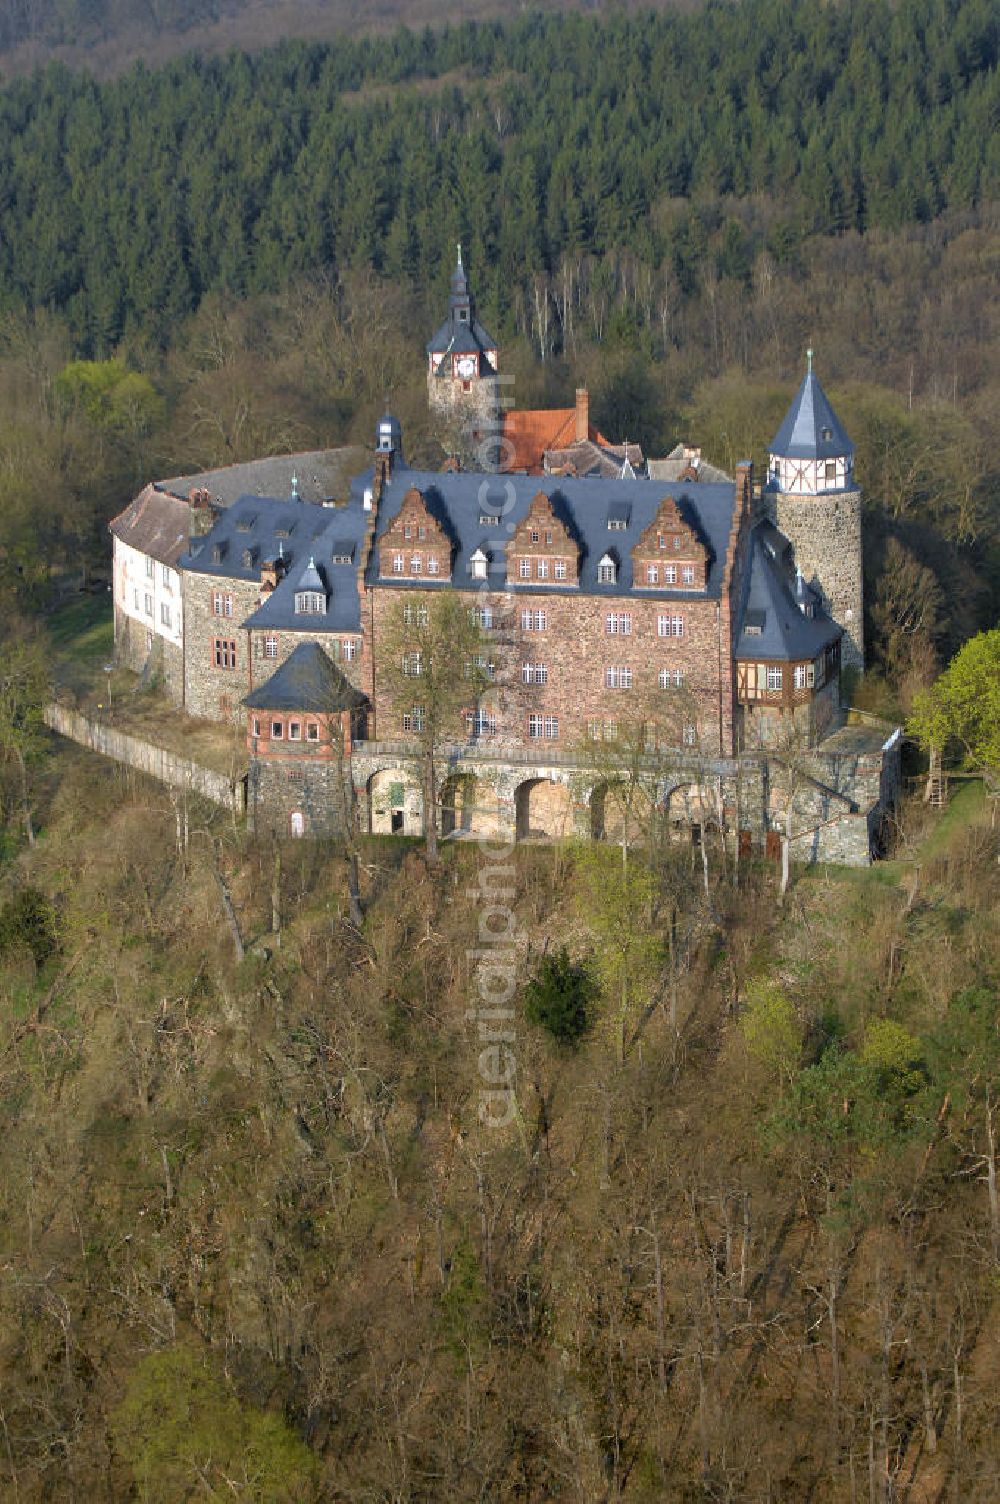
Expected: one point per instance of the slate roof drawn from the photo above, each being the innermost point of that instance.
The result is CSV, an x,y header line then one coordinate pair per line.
x,y
307,680
323,475
461,336
459,499
154,524
673,464
786,633
811,429
587,457
264,529
255,529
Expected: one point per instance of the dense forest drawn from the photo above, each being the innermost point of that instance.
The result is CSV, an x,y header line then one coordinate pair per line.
x,y
532,142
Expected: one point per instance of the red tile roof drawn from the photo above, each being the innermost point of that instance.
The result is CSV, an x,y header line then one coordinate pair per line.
x,y
530,431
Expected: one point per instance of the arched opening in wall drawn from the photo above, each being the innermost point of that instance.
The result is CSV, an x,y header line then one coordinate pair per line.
x,y
543,810
458,803
395,803
689,815
610,817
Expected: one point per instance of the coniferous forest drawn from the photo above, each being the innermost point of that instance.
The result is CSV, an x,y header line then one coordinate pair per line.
x,y
742,1242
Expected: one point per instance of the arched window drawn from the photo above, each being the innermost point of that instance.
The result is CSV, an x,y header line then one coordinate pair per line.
x,y
607,570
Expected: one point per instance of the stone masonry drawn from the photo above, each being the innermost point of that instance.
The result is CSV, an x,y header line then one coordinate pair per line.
x,y
826,533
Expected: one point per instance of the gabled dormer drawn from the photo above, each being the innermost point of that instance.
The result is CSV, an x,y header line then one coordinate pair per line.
x,y
669,554
542,550
310,592
415,546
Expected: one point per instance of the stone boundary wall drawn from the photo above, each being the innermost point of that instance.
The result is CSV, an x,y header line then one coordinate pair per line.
x,y
156,762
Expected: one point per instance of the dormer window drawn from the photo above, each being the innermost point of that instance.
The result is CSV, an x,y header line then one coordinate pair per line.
x,y
479,564
489,519
619,516
310,603
607,570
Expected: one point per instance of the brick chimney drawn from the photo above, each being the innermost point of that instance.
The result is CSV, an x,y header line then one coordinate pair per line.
x,y
582,414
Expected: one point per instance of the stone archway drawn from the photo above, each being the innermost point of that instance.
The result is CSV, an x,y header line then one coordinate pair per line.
x,y
395,803
610,818
543,810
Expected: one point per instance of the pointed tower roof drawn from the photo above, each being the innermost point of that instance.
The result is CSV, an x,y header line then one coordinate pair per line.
x,y
307,680
811,429
461,333
311,579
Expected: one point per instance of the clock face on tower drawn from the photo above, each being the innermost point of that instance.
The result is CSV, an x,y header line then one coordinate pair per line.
x,y
465,367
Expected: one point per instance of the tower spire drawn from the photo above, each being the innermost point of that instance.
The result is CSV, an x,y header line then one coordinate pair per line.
x,y
809,361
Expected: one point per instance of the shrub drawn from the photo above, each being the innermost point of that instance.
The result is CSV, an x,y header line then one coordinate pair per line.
x,y
29,920
559,997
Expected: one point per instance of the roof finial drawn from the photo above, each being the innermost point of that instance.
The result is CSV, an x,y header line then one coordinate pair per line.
x,y
460,253
809,361
295,486
281,549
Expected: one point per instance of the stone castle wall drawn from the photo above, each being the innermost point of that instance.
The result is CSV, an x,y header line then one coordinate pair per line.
x,y
826,534
146,652
576,648
278,788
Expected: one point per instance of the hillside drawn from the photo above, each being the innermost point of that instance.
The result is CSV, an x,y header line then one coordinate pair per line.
x,y
754,1259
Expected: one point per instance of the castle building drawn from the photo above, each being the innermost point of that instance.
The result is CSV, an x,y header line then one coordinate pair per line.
x,y
462,369
812,497
608,604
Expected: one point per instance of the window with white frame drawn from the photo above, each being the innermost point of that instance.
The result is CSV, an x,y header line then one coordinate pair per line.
x,y
479,565
270,646
617,676
524,569
416,564
689,734
619,623
774,676
415,616
350,649
542,566
166,575
482,664
533,621
397,563
148,604
607,570
277,730
670,574
482,616
560,569
669,626
671,678
481,723
294,731
413,719
164,614
222,603
413,665
310,603
150,568
433,565
652,574
543,727
312,731
534,673
687,574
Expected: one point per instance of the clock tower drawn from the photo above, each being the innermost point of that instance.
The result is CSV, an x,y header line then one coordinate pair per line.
x,y
812,497
462,366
